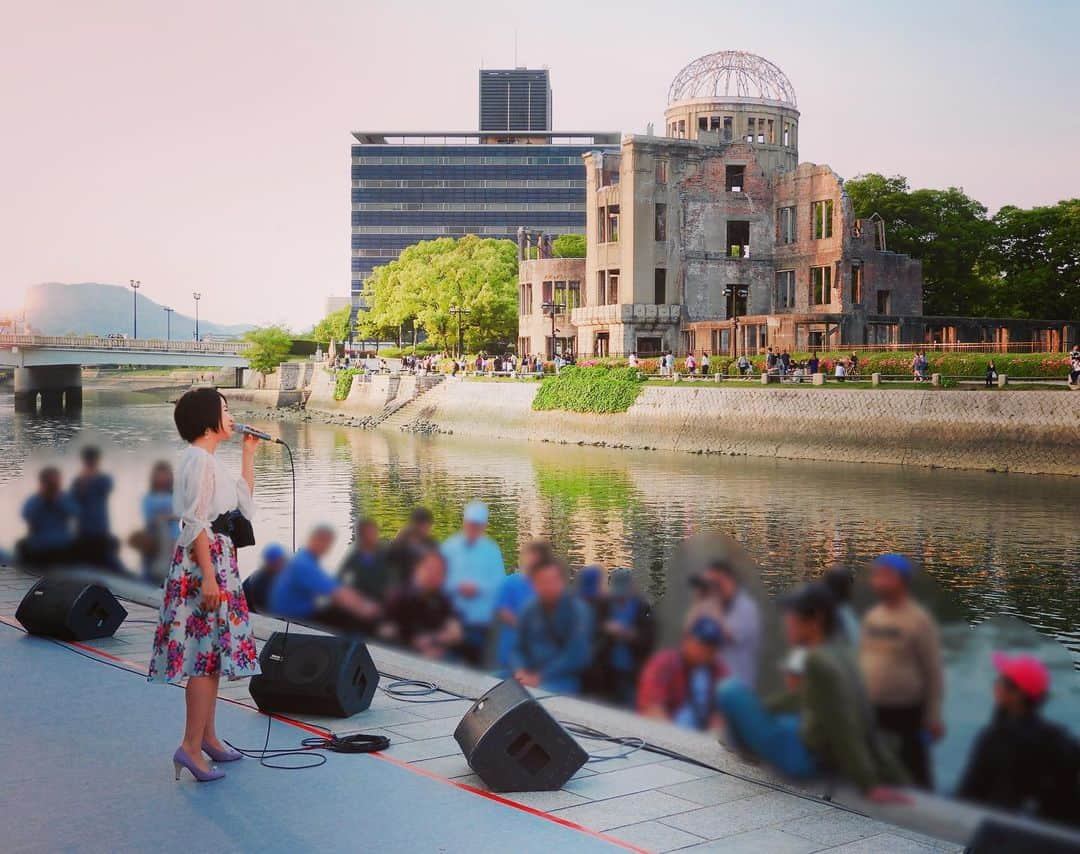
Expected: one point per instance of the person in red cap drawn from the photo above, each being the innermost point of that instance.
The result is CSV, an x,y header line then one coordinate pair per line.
x,y
1020,760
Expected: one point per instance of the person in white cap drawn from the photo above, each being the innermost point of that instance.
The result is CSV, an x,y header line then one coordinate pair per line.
x,y
475,572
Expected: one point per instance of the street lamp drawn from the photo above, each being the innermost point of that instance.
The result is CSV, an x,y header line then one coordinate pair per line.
x,y
168,324
458,310
736,292
553,308
197,297
135,308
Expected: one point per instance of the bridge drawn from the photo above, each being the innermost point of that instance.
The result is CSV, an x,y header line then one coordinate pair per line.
x,y
50,366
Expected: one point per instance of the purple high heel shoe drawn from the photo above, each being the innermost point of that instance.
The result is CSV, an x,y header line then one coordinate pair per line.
x,y
180,759
226,755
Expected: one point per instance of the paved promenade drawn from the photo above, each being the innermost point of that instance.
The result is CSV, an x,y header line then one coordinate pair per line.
x,y
644,802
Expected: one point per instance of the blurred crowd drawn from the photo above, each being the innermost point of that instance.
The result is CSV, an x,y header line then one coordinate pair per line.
x,y
860,698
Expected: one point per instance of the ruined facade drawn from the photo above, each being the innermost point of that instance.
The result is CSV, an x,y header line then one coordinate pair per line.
x,y
716,239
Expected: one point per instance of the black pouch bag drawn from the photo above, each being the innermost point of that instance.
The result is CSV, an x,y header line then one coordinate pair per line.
x,y
236,526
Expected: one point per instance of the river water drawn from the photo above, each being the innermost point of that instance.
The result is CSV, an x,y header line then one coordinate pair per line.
x,y
1001,552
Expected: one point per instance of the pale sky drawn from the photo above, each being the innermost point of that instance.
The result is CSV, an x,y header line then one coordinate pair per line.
x,y
205,145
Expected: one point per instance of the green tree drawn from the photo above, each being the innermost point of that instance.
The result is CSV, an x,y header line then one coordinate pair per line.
x,y
946,229
267,348
1035,256
430,278
568,246
333,327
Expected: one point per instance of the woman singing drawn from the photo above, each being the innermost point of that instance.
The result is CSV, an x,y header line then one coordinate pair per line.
x,y
203,629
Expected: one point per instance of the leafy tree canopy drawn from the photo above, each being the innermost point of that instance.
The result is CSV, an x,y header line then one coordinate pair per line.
x,y
267,348
432,277
333,327
1018,263
946,229
1036,258
568,246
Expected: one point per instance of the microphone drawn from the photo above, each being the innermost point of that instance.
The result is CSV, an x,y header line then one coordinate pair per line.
x,y
244,429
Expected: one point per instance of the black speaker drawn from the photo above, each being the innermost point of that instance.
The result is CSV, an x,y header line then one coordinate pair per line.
x,y
514,745
1002,836
314,674
70,610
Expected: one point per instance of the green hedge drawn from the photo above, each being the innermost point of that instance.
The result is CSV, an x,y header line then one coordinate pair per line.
x,y
594,389
1051,365
343,382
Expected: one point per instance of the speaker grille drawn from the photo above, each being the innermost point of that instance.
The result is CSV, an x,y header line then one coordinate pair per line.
x,y
307,664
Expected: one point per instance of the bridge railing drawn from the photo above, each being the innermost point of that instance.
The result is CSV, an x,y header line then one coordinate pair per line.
x,y
139,345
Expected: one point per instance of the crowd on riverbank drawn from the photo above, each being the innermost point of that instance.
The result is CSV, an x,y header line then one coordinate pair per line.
x,y
861,697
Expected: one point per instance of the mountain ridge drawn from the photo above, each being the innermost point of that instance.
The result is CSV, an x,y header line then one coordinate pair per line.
x,y
95,308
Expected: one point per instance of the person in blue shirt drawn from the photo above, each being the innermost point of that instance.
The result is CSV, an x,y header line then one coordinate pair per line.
x,y
257,586
625,632
475,574
554,635
161,525
94,542
48,514
305,591
517,592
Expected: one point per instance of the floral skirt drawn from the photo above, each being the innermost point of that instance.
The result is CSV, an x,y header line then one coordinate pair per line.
x,y
191,641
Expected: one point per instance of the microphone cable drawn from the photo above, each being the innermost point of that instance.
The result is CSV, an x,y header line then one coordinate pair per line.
x,y
354,743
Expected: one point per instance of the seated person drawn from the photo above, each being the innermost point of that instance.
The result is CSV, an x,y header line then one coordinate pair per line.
x,y
48,514
624,639
365,567
257,585
554,634
421,615
515,593
679,684
94,543
827,723
1021,761
305,591
412,541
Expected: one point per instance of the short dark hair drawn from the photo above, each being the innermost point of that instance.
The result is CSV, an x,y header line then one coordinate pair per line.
x,y
90,455
421,516
555,563
813,601
839,580
197,411
48,473
722,566
541,548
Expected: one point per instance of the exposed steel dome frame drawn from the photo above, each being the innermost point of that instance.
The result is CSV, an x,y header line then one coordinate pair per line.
x,y
732,74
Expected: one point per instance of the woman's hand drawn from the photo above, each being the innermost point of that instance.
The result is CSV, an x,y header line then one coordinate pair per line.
x,y
249,444
211,594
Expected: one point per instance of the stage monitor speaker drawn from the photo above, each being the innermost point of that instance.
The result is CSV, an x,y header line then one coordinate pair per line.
x,y
1022,836
70,610
314,674
514,745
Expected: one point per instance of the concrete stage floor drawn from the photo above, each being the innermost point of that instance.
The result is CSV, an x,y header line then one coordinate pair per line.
x,y
86,751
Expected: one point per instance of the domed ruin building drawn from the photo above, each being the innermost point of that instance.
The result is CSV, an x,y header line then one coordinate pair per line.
x,y
714,238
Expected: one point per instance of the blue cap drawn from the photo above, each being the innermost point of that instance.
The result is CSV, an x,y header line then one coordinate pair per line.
x,y
896,562
274,551
476,512
588,581
707,630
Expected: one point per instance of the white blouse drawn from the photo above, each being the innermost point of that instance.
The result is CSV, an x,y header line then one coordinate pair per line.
x,y
204,490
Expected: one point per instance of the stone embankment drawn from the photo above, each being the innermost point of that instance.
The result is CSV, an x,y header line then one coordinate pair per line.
x,y
1023,431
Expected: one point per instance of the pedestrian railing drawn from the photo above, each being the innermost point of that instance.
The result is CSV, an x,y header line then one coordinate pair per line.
x,y
140,345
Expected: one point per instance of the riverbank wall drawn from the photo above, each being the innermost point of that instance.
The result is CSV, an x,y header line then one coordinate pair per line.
x,y
1020,431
